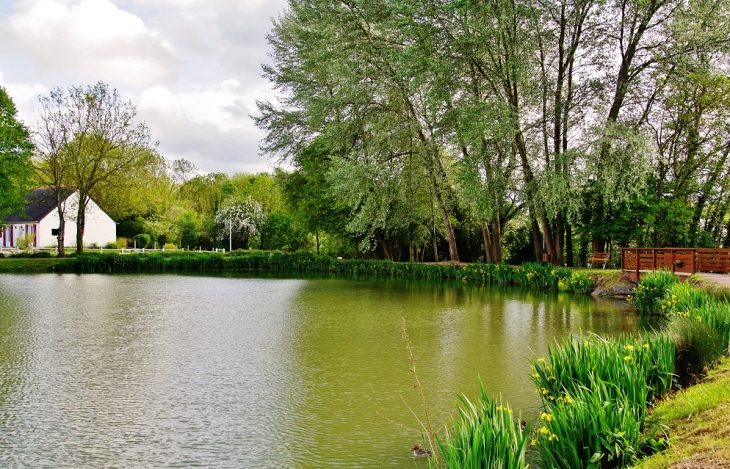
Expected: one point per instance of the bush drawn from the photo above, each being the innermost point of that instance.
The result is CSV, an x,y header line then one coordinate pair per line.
x,y
143,240
110,245
122,243
169,246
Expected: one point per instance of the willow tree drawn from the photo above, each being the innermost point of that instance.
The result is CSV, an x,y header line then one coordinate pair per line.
x,y
344,72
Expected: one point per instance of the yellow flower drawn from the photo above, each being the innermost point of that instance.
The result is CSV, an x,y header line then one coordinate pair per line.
x,y
533,443
552,437
627,358
544,430
568,399
548,417
699,318
646,346
629,347
541,360
545,391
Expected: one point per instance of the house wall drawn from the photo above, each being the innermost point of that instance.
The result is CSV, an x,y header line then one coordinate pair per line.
x,y
10,233
100,228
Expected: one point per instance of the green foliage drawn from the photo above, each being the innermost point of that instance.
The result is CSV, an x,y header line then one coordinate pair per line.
x,y
486,435
15,151
304,261
641,367
595,393
701,328
597,428
26,242
143,240
169,246
651,289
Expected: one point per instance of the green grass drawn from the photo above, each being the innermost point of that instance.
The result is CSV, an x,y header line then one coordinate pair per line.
x,y
698,424
28,265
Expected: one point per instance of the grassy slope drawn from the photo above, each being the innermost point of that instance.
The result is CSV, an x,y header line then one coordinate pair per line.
x,y
699,425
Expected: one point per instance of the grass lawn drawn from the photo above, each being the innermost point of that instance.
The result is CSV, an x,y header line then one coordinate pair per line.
x,y
699,425
28,264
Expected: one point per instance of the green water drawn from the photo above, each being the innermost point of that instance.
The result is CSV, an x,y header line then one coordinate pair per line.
x,y
250,372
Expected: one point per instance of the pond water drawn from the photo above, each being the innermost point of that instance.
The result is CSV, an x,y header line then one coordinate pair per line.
x,y
245,371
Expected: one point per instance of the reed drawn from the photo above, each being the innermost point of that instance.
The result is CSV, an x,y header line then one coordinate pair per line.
x,y
651,290
641,367
530,274
700,325
596,428
485,435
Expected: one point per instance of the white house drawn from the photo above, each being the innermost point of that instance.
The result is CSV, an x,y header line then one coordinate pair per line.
x,y
41,219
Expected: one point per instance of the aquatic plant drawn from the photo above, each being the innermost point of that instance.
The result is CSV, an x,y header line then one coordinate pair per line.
x,y
486,435
651,289
593,426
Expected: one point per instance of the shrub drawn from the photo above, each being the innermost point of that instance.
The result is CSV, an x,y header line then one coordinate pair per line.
x,y
122,243
169,246
110,245
143,240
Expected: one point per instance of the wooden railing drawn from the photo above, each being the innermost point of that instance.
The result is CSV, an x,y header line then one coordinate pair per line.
x,y
678,260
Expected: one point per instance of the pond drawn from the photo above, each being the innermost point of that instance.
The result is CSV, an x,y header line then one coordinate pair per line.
x,y
261,371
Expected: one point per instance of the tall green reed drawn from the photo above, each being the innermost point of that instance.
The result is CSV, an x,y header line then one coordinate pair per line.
x,y
596,427
485,435
651,290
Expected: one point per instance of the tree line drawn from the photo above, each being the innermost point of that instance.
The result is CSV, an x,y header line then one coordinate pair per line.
x,y
505,129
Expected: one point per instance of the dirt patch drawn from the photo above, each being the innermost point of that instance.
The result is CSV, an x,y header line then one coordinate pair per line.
x,y
702,461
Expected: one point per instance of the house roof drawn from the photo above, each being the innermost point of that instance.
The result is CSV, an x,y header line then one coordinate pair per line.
x,y
39,203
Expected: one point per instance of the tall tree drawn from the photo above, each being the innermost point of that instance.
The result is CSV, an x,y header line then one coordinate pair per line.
x,y
91,137
15,152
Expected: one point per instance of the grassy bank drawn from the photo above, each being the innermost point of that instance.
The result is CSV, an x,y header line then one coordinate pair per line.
x,y
698,425
29,265
598,394
532,275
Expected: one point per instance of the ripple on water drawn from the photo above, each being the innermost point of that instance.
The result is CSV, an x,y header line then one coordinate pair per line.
x,y
210,371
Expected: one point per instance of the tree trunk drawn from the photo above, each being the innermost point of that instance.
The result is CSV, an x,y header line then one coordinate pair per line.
x,y
487,242
496,243
536,237
383,245
559,240
569,246
598,244
61,228
81,224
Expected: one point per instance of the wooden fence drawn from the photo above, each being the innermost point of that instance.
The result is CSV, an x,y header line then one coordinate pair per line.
x,y
682,261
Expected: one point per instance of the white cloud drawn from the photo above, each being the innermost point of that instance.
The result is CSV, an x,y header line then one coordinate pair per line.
x,y
22,94
209,126
93,38
192,67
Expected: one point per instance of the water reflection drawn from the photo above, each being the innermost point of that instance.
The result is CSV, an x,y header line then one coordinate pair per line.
x,y
234,370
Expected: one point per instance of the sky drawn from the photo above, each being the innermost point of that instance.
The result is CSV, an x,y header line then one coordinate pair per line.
x,y
191,67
